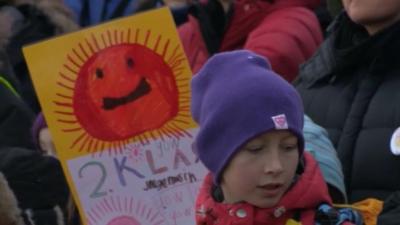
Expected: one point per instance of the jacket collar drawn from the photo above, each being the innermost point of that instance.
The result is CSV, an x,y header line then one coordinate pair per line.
x,y
309,191
347,45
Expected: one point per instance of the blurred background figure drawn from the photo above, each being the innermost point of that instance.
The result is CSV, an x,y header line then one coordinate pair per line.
x,y
41,136
390,214
318,144
92,12
334,7
15,116
287,32
179,8
350,87
33,189
32,186
24,22
324,16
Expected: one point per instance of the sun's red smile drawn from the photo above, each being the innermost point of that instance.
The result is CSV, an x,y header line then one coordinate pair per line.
x,y
143,88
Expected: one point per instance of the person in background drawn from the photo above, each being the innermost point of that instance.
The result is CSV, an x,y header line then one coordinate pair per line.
x,y
179,8
350,87
44,143
334,7
287,32
89,13
251,140
24,22
390,214
41,136
324,16
33,189
16,117
318,144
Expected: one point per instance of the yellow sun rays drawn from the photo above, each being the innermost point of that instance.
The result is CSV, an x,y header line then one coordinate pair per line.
x,y
67,77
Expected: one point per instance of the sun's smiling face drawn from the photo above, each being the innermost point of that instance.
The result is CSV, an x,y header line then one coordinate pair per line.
x,y
115,89
124,88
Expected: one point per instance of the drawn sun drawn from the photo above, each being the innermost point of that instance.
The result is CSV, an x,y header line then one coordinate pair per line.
x,y
123,211
115,89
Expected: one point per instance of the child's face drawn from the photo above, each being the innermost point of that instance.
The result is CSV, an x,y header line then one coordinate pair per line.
x,y
262,170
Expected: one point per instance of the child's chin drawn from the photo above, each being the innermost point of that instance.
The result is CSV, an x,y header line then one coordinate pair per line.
x,y
265,203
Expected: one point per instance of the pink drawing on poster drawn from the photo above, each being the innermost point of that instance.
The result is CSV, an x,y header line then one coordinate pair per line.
x,y
124,211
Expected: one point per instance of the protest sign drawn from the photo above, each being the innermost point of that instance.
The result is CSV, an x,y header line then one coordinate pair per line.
x,y
116,98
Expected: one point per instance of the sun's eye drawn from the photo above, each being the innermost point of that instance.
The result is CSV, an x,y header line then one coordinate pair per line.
x,y
99,73
130,62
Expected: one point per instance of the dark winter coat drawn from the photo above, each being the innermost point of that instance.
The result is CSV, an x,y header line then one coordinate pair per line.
x,y
32,188
15,116
390,214
351,87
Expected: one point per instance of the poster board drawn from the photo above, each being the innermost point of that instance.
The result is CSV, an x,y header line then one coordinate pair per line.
x,y
116,98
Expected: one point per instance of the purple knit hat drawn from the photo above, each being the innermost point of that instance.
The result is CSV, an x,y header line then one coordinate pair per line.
x,y
235,97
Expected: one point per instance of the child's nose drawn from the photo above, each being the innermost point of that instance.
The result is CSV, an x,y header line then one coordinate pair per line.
x,y
273,164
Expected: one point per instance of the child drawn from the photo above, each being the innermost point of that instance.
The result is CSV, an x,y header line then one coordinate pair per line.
x,y
251,140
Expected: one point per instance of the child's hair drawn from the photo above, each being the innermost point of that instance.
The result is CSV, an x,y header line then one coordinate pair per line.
x,y
235,97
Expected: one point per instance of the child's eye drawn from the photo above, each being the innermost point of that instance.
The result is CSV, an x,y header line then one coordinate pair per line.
x,y
289,148
254,149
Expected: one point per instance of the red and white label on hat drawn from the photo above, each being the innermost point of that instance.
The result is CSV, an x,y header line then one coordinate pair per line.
x,y
280,122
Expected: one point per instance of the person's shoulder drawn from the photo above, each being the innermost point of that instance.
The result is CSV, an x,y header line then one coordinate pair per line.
x,y
36,182
25,164
297,22
12,155
191,24
293,12
320,66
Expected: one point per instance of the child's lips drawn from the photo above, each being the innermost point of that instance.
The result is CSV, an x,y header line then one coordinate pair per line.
x,y
271,190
